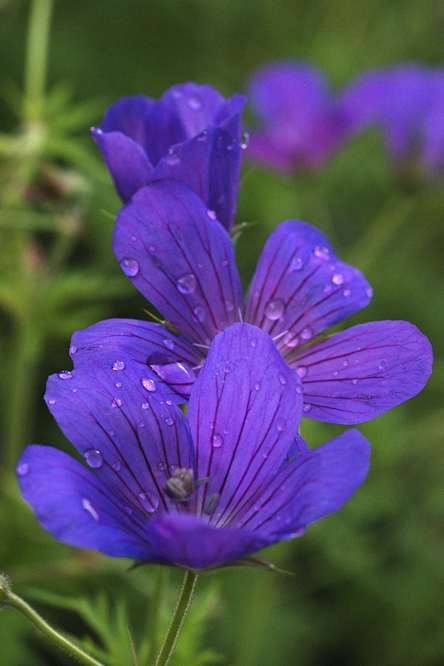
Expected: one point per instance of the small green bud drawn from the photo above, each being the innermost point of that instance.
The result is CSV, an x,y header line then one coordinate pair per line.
x,y
4,590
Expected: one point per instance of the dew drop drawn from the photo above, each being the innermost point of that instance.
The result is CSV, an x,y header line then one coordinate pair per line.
x,y
187,284
346,293
322,253
118,384
149,384
337,279
369,292
66,374
280,424
152,248
282,379
94,458
134,238
142,424
253,342
274,309
22,469
382,364
111,433
336,373
169,421
199,314
328,289
51,402
130,267
89,507
149,502
161,466
217,440
116,402
354,382
299,389
345,363
229,305
225,262
291,340
117,466
297,533
118,365
296,264
245,140
194,102
228,366
257,386
307,333
73,349
173,155
306,408
169,344
202,136
211,214
301,371
74,390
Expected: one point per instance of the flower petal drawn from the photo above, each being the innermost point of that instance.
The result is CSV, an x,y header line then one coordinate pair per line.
x,y
190,542
180,258
310,487
360,373
146,343
126,160
73,505
300,287
122,425
244,412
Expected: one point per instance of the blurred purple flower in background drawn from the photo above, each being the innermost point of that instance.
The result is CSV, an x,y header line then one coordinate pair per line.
x,y
192,134
301,122
197,491
182,260
407,103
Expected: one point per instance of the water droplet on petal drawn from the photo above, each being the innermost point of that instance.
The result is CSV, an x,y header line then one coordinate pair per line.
x,y
211,214
74,390
149,502
345,363
66,374
111,433
118,365
307,333
73,349
161,466
194,102
118,384
225,262
299,389
117,466
280,424
274,309
130,267
245,140
145,405
257,386
337,279
142,424
347,293
382,364
169,344
369,292
199,314
228,366
229,305
134,238
322,253
94,458
148,383
306,408
169,421
297,533
51,402
301,371
116,402
22,469
296,264
152,248
291,340
354,382
253,342
202,136
173,155
187,284
336,373
217,440
282,379
89,507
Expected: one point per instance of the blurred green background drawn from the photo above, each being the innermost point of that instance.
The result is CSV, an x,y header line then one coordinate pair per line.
x,y
369,582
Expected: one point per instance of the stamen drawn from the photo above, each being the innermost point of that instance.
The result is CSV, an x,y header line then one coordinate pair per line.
x,y
211,503
280,335
180,487
196,344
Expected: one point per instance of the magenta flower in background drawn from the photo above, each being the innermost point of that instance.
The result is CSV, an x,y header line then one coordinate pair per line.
x,y
182,260
197,491
192,134
301,123
407,103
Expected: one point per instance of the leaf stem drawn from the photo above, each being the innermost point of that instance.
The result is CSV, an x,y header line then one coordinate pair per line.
x,y
183,605
23,607
37,57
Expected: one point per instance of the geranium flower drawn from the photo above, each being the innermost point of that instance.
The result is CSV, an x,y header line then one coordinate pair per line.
x,y
301,121
191,134
197,491
407,103
182,260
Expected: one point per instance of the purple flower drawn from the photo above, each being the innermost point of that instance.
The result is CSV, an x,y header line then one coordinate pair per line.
x,y
407,102
192,134
301,122
197,491
182,260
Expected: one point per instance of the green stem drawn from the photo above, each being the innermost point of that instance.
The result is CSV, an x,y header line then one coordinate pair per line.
x,y
183,605
37,57
19,604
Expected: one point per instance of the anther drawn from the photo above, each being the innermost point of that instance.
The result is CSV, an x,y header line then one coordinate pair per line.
x,y
211,503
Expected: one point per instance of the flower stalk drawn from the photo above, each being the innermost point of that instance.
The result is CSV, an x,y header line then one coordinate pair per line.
x,y
179,615
37,58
